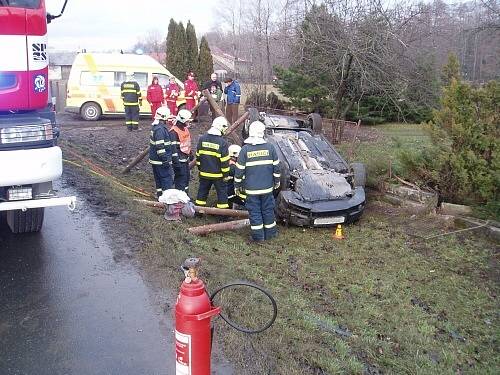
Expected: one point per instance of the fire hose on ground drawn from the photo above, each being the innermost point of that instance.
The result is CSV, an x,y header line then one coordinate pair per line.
x,y
193,312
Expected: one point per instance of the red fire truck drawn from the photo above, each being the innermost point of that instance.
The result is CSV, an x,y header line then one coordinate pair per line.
x,y
30,159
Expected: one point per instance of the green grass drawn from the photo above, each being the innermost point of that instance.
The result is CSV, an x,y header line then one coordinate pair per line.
x,y
380,300
382,154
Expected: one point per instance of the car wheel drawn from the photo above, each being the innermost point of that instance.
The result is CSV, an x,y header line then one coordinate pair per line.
x,y
315,123
359,172
91,111
253,115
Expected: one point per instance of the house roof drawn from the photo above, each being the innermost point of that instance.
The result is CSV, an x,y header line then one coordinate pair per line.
x,y
62,58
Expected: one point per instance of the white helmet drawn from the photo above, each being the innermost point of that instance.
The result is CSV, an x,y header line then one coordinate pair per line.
x,y
257,130
162,113
234,151
129,75
221,124
183,116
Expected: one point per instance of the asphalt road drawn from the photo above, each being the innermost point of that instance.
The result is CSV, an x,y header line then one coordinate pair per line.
x,y
67,307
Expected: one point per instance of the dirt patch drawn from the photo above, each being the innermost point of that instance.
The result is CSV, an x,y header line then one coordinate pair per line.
x,y
359,305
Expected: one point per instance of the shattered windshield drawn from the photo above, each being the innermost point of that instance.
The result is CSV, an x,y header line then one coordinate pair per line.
x,y
30,4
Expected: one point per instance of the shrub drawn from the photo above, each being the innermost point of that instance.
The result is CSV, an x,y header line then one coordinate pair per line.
x,y
463,164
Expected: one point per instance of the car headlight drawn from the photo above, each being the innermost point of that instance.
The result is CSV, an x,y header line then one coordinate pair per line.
x,y
26,133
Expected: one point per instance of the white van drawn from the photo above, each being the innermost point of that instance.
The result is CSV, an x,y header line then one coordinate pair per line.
x,y
95,79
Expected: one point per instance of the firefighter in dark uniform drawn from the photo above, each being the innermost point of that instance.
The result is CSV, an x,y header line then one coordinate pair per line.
x,y
235,200
212,159
181,142
132,100
161,156
257,176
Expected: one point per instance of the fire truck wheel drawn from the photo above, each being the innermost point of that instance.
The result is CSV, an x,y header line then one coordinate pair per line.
x,y
25,222
91,111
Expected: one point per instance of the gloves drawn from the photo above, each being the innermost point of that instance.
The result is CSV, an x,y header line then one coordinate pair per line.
x,y
239,191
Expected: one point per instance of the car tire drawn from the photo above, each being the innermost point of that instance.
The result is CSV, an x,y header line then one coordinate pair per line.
x,y
28,221
253,115
315,123
359,171
91,111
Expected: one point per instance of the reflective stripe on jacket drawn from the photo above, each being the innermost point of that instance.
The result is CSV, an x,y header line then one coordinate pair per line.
x,y
155,94
160,145
212,156
257,169
131,93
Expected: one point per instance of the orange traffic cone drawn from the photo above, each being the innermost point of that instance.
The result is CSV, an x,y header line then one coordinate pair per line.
x,y
338,235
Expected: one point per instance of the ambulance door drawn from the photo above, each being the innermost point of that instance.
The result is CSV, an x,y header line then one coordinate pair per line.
x,y
142,79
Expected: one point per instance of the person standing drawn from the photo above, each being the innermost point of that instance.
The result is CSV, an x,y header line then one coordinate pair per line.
x,y
171,95
132,100
214,87
212,159
257,176
181,142
155,96
191,91
161,156
233,95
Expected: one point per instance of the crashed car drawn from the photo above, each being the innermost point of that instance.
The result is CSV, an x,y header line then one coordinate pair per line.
x,y
318,187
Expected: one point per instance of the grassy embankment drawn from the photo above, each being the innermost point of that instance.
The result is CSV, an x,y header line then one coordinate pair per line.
x,y
381,300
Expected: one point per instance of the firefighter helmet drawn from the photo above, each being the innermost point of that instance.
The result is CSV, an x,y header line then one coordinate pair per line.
x,y
220,123
183,116
162,113
234,151
257,130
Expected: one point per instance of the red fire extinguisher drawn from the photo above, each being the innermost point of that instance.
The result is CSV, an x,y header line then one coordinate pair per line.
x,y
193,311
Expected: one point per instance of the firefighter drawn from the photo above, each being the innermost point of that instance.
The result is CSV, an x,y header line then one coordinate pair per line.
x,y
171,95
132,100
235,200
257,176
155,96
161,156
191,91
181,142
212,159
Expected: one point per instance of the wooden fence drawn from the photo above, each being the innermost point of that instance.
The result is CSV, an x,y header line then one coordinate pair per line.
x,y
335,130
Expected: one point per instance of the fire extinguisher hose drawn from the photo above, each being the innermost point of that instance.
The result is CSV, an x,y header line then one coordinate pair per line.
x,y
249,285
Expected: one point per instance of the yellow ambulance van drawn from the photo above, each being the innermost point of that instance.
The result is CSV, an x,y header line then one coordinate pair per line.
x,y
95,79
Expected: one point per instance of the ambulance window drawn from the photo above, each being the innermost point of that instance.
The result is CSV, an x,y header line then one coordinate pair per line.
x,y
141,79
120,77
162,79
97,78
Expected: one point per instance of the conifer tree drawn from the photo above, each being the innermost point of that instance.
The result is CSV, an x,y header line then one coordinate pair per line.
x,y
181,52
192,48
171,57
205,61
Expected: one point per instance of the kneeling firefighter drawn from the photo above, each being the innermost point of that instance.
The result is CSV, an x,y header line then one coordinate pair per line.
x,y
212,159
257,176
181,142
235,200
161,156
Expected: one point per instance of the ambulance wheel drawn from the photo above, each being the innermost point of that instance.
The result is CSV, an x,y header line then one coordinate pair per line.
x,y
91,111
316,123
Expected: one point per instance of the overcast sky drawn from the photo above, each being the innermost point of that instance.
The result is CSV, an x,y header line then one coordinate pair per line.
x,y
118,24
